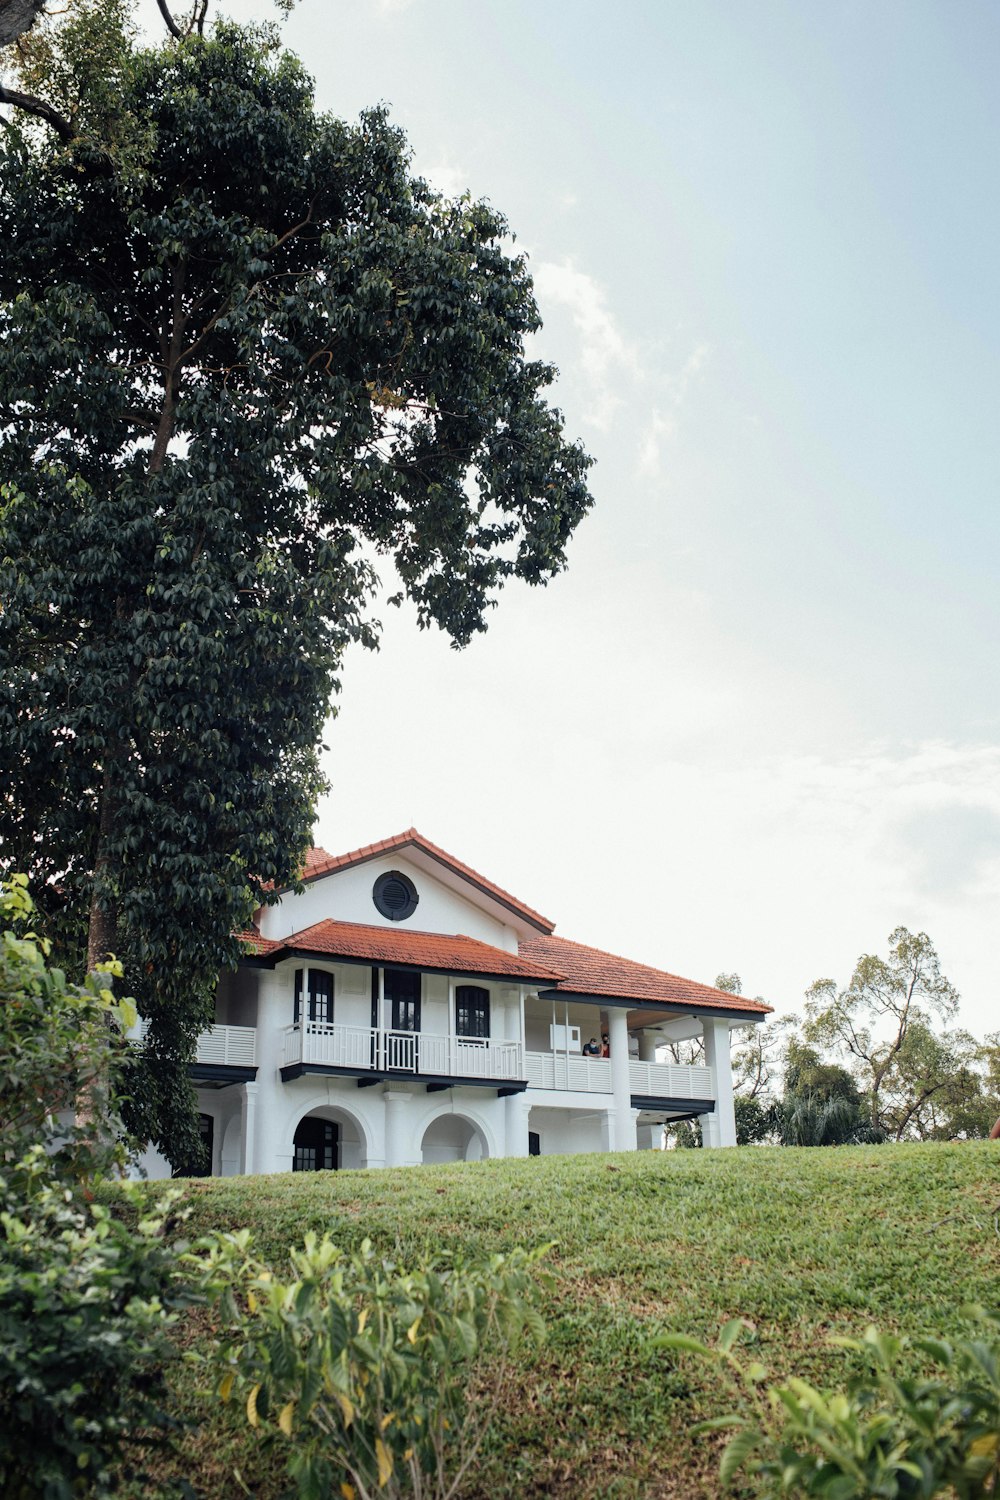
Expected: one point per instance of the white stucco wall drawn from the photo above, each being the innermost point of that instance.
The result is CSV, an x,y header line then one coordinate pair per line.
x,y
346,896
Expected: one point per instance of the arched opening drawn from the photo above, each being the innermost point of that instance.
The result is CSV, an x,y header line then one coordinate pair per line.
x,y
452,1138
327,1140
232,1146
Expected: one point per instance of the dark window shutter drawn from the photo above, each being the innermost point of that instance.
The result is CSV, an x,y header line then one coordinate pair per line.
x,y
298,997
320,995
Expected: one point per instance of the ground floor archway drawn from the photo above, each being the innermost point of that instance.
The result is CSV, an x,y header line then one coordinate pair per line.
x,y
327,1140
453,1138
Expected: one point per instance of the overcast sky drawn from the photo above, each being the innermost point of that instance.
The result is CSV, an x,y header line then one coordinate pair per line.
x,y
756,725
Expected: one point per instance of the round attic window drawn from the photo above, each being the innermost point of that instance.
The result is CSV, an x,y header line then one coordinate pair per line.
x,y
395,896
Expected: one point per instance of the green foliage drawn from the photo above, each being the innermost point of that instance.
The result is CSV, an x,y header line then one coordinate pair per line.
x,y
84,1300
755,1120
894,1432
60,1048
364,1368
233,368
884,1025
810,1120
85,1305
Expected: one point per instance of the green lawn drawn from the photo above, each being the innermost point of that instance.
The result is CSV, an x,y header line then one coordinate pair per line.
x,y
803,1243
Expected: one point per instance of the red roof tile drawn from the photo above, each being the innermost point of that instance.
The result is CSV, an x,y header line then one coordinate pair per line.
x,y
254,944
318,863
456,954
591,971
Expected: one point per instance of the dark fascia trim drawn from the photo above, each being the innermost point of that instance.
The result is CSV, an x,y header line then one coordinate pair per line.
x,y
367,1078
543,926
220,1073
274,959
661,1104
676,1119
676,1007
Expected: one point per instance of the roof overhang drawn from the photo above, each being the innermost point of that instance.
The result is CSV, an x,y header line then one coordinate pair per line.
x,y
647,1012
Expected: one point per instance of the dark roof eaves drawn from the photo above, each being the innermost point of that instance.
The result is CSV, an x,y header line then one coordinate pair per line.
x,y
626,1002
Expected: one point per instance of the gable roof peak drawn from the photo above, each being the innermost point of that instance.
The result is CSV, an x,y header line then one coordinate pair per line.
x,y
318,862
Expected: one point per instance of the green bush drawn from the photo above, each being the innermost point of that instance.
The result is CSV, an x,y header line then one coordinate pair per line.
x,y
895,1432
365,1370
61,1045
85,1300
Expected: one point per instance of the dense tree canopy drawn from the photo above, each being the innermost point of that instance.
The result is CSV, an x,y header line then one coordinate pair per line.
x,y
244,352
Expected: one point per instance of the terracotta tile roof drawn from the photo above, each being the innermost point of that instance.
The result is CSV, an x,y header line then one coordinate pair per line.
x,y
591,971
254,944
318,862
456,954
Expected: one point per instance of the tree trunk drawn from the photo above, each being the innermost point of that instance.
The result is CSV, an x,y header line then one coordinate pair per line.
x,y
17,17
101,935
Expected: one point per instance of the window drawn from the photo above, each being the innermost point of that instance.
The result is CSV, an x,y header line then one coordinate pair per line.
x,y
319,994
472,1011
534,1143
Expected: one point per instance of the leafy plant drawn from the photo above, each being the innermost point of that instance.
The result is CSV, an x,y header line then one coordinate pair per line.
x,y
365,1369
85,1299
60,1049
85,1305
894,1432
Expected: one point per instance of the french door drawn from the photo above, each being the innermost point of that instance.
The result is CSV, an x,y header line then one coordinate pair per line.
x,y
402,993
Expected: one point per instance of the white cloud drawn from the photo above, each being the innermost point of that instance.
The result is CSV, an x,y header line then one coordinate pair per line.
x,y
609,362
664,420
444,176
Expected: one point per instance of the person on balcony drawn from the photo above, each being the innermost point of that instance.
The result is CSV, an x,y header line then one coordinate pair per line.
x,y
605,1045
591,1048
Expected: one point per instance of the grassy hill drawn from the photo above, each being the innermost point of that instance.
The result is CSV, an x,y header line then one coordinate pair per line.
x,y
804,1244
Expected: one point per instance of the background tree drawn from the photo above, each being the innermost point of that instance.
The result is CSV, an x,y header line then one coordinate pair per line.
x,y
243,350
881,1024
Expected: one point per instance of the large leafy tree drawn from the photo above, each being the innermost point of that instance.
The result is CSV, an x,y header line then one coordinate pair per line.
x,y
244,352
888,1026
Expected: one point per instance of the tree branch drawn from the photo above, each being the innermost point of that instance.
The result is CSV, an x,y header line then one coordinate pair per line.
x,y
40,110
172,25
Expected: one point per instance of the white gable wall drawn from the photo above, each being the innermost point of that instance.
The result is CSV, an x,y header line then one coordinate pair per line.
x,y
346,896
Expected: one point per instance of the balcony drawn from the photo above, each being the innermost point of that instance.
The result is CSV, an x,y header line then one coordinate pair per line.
x,y
228,1046
365,1050
223,1054
592,1075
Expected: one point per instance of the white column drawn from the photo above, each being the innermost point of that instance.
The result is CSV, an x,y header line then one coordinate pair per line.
x,y
516,1124
248,1130
272,1149
396,1141
647,1045
621,1087
722,1122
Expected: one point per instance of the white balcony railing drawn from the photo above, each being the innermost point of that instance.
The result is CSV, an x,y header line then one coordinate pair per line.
x,y
231,1046
561,1070
399,1051
228,1046
592,1075
670,1081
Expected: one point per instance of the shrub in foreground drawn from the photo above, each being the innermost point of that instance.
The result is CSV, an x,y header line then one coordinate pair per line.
x,y
891,1433
85,1300
363,1369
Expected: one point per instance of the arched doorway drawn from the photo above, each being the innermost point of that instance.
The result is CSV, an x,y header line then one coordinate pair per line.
x,y
316,1145
327,1140
452,1138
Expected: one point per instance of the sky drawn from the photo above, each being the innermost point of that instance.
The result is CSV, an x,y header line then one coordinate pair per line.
x,y
755,726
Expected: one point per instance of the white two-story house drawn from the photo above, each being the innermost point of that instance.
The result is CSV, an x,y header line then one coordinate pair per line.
x,y
402,1008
